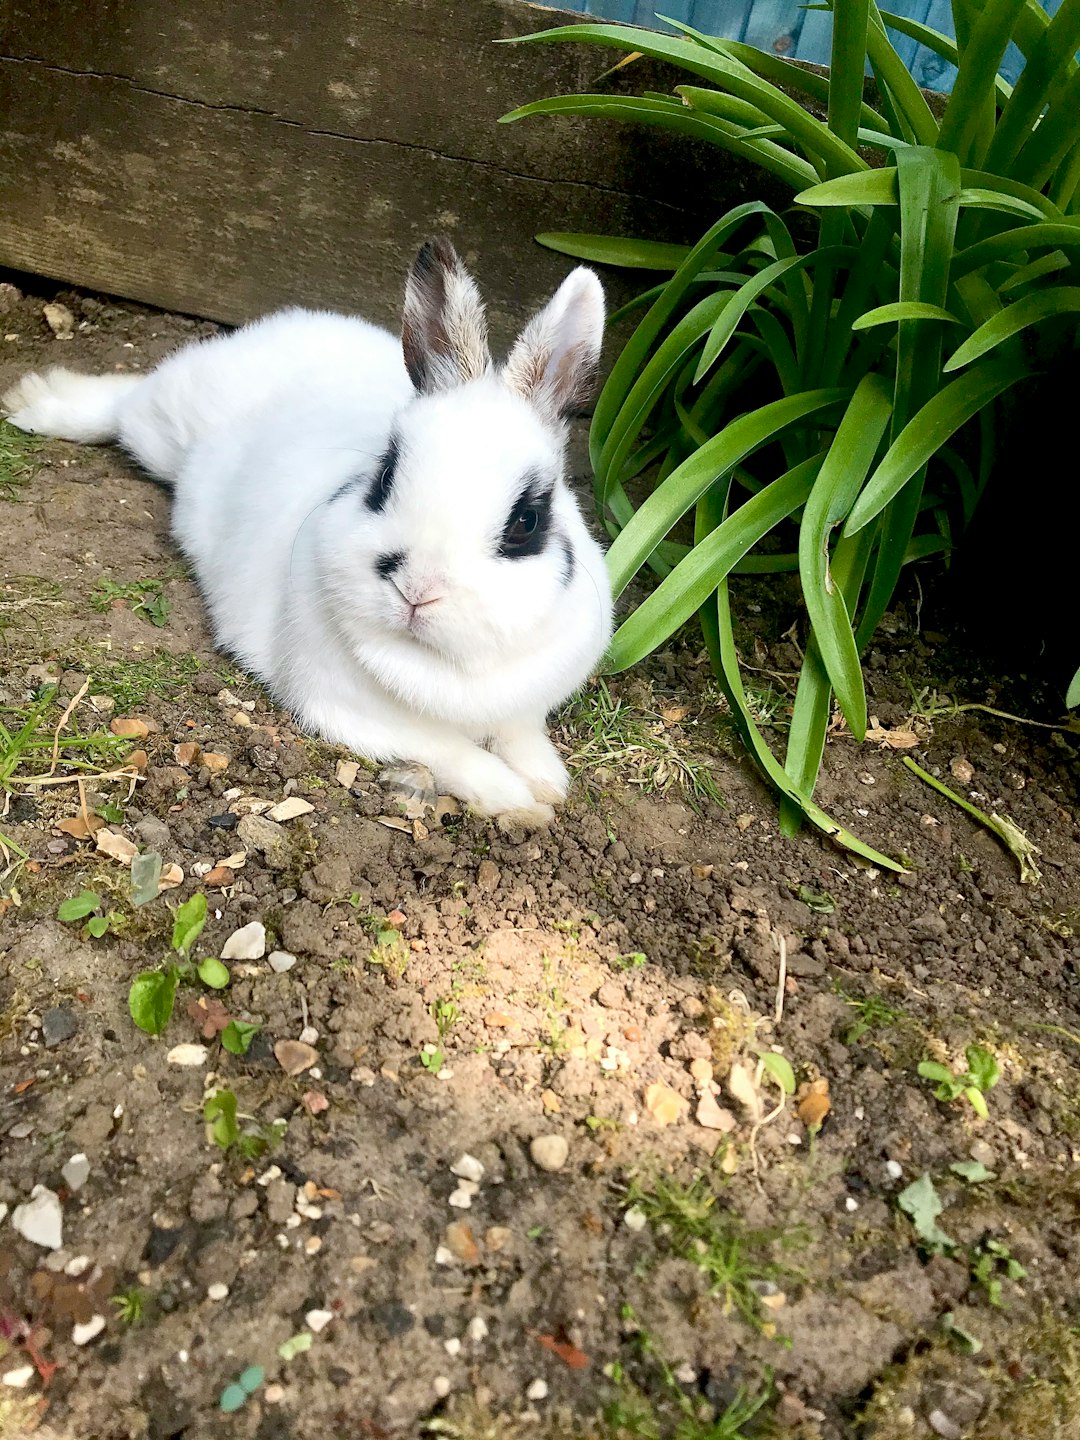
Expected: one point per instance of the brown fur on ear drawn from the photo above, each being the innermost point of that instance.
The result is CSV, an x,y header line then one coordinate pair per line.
x,y
553,364
444,331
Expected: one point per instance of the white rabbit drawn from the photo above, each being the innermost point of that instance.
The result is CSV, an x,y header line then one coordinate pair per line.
x,y
382,531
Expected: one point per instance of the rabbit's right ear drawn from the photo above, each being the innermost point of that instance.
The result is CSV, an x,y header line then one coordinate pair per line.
x,y
444,331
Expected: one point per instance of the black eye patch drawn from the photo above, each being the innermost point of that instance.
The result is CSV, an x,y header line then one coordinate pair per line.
x,y
527,525
383,483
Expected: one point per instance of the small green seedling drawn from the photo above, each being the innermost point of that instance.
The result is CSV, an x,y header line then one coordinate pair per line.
x,y
821,903
152,995
992,1262
635,961
130,1306
238,1035
432,1057
922,1204
88,906
188,924
214,973
780,1069
145,597
251,1142
236,1395
981,1076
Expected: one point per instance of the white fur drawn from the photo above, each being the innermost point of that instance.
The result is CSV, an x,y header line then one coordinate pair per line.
x,y
259,432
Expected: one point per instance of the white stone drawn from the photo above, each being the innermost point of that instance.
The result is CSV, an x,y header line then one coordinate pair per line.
x,y
274,1394
468,1168
41,1219
537,1390
217,1291
309,1035
441,1386
549,1152
187,1054
477,1329
280,961
247,943
445,1256
83,1334
635,1218
461,1199
77,1265
452,1346
20,1377
289,809
893,1169
317,1320
76,1172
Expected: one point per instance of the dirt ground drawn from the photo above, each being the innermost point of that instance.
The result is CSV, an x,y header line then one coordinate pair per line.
x,y
689,1250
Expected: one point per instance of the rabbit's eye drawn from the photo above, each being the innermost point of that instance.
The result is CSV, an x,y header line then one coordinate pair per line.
x,y
524,523
383,483
526,528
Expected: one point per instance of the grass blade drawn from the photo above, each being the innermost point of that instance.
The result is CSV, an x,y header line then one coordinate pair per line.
x,y
927,431
968,122
696,576
904,310
1040,305
850,456
682,489
1010,835
614,250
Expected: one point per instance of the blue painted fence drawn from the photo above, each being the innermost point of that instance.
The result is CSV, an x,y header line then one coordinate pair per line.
x,y
787,28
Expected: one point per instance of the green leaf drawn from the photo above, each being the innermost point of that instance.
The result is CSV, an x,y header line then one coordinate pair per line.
x,y
921,1203
978,1104
214,973
941,1074
927,431
869,187
151,999
982,1066
780,1069
219,1112
145,877
296,1345
97,925
697,575
613,250
842,474
969,115
79,906
682,489
1072,695
188,923
1040,305
238,1035
903,310
972,1171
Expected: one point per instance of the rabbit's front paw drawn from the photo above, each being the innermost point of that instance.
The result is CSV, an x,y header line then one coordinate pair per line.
x,y
489,787
530,754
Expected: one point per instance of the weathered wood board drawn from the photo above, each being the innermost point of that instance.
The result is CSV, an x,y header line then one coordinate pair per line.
x,y
229,157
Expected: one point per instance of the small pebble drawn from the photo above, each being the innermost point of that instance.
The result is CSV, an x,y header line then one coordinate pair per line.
x,y
41,1219
247,943
538,1390
441,1386
477,1329
83,1334
57,1025
942,1425
317,1320
20,1377
77,1265
549,1152
187,1054
468,1168
217,1291
280,961
308,1035
851,1204
76,1172
274,1394
635,1218
893,1169
452,1346
444,1256
461,1199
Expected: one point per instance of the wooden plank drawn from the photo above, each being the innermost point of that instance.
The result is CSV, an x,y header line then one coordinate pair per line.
x,y
226,158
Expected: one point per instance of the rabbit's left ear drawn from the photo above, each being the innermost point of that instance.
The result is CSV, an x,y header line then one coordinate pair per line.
x,y
554,361
444,331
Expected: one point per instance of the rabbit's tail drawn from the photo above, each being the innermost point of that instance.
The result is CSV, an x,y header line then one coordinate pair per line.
x,y
68,406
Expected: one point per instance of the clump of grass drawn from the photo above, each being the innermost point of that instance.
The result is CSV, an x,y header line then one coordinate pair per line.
x,y
731,1256
144,597
644,743
18,461
160,673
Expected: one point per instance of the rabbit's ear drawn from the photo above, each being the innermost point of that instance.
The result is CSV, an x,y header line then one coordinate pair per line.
x,y
444,332
555,359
